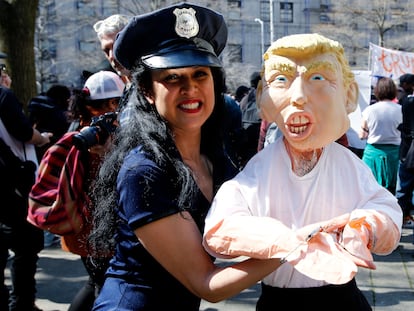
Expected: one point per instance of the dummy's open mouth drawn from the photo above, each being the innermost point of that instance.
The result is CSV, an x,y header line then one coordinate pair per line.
x,y
298,124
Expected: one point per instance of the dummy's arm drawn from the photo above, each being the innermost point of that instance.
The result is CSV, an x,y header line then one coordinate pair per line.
x,y
263,237
318,256
252,236
370,231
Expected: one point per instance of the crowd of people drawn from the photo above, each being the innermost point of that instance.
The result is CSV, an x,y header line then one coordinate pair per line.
x,y
387,126
150,170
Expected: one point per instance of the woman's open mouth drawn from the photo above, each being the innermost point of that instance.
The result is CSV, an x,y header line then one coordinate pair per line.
x,y
191,106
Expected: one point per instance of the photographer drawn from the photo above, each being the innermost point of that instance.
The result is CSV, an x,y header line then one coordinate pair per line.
x,y
68,170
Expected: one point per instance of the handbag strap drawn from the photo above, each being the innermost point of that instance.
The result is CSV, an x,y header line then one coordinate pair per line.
x,y
24,151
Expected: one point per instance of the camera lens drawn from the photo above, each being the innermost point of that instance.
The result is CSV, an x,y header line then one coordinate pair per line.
x,y
87,138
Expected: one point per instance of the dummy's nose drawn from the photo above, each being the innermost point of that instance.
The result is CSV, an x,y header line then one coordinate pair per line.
x,y
298,96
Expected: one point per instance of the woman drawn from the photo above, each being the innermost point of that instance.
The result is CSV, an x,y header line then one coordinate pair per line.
x,y
157,184
379,127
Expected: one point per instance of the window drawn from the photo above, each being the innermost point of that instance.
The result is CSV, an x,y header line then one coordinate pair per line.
x,y
85,42
85,7
354,26
51,49
264,10
286,12
403,27
234,53
87,46
324,19
234,3
325,8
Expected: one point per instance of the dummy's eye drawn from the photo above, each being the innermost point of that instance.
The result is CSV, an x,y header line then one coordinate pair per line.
x,y
278,80
317,77
281,78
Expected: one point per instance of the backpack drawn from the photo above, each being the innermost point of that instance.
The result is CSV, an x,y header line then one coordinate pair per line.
x,y
57,201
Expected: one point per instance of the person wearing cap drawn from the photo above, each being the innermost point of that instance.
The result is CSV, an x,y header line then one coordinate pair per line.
x,y
406,86
99,97
305,198
157,183
101,94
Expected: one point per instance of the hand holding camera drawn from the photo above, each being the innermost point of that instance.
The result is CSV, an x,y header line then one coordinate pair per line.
x,y
97,133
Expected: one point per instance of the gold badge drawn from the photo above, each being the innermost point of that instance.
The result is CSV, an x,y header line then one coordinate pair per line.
x,y
186,24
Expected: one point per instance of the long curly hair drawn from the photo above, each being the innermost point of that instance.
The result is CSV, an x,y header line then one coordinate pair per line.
x,y
146,128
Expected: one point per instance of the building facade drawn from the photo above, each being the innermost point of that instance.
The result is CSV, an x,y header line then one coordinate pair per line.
x,y
67,47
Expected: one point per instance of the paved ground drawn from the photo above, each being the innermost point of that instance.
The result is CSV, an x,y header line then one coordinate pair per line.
x,y
389,287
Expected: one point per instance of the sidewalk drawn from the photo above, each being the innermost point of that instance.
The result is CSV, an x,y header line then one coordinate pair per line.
x,y
390,287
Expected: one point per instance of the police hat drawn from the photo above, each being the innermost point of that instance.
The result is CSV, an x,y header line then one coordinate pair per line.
x,y
180,35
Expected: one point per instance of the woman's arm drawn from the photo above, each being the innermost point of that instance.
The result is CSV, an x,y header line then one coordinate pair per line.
x,y
363,132
176,243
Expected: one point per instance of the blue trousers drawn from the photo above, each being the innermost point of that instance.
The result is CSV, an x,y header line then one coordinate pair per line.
x,y
405,188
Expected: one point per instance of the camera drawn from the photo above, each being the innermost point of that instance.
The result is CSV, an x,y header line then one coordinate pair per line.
x,y
97,133
2,67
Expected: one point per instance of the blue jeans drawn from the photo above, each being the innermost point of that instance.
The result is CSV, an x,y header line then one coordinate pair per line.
x,y
85,298
405,188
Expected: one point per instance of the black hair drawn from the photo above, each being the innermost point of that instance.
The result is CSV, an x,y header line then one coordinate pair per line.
x,y
147,129
254,79
241,91
78,103
60,94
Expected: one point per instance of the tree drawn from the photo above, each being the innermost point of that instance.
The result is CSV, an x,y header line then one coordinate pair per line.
x,y
17,27
356,23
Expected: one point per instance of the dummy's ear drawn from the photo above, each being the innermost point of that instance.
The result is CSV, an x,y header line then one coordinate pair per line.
x,y
259,90
352,97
